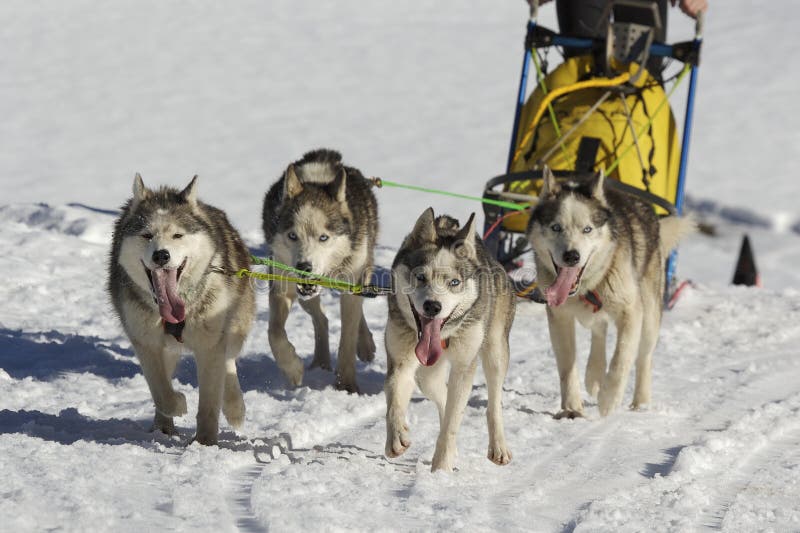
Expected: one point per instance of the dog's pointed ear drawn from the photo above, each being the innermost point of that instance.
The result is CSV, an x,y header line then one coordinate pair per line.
x,y
424,230
140,192
340,186
596,185
291,183
465,239
550,186
189,194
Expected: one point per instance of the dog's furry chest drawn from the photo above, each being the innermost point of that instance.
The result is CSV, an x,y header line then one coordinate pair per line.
x,y
584,312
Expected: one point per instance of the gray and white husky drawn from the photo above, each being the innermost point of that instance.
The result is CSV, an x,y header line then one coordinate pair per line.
x,y
321,217
452,302
167,281
589,239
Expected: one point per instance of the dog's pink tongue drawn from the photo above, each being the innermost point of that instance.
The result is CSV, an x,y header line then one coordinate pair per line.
x,y
170,305
429,347
558,292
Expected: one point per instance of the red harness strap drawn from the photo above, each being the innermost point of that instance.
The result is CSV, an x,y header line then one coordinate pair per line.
x,y
592,299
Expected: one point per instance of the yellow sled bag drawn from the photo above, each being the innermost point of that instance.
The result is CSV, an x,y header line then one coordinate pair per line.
x,y
641,151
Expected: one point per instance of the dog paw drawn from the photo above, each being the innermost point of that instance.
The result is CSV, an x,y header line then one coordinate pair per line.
x,y
347,385
206,438
164,424
321,362
234,412
607,401
443,461
293,370
569,414
174,405
499,454
397,442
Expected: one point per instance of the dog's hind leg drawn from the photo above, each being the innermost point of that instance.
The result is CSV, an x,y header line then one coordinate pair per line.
x,y
596,367
398,388
352,315
494,359
459,387
562,336
280,301
322,350
211,376
432,381
366,346
629,332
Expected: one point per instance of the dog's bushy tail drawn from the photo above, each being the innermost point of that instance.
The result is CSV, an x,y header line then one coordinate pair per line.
x,y
672,229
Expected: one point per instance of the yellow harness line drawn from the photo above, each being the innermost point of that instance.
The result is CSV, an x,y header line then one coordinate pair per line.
x,y
361,290
527,290
588,84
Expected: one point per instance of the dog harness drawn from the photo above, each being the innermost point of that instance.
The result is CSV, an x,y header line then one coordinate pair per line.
x,y
592,299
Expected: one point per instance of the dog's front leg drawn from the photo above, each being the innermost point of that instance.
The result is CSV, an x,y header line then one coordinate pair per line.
x,y
629,332
322,350
402,363
352,314
459,387
158,364
280,301
211,381
562,335
494,360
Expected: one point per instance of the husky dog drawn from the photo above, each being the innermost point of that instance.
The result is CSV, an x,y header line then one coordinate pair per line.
x,y
167,281
321,217
451,301
591,240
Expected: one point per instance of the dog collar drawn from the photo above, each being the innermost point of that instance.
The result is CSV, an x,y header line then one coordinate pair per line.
x,y
176,330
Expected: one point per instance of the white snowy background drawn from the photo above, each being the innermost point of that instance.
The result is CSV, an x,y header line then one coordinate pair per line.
x,y
417,92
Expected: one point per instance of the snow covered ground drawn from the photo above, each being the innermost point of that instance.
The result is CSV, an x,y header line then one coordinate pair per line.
x,y
419,93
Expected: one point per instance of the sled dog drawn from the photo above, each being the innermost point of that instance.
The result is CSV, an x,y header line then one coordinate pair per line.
x,y
321,217
167,284
591,240
451,303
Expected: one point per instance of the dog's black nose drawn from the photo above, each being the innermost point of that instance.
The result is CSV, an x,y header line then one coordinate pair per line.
x,y
305,266
572,257
161,257
431,307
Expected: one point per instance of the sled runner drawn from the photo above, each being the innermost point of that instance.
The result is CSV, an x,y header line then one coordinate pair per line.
x,y
599,110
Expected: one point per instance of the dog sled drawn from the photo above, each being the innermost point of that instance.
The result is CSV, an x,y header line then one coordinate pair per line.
x,y
599,110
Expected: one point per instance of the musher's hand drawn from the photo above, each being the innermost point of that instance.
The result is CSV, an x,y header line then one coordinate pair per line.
x,y
692,7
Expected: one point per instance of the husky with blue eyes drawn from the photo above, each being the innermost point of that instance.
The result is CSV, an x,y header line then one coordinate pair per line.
x,y
321,217
452,303
600,258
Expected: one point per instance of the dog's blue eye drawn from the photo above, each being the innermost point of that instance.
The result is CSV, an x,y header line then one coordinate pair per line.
x,y
587,229
292,236
455,282
177,236
323,238
420,277
556,228
147,236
